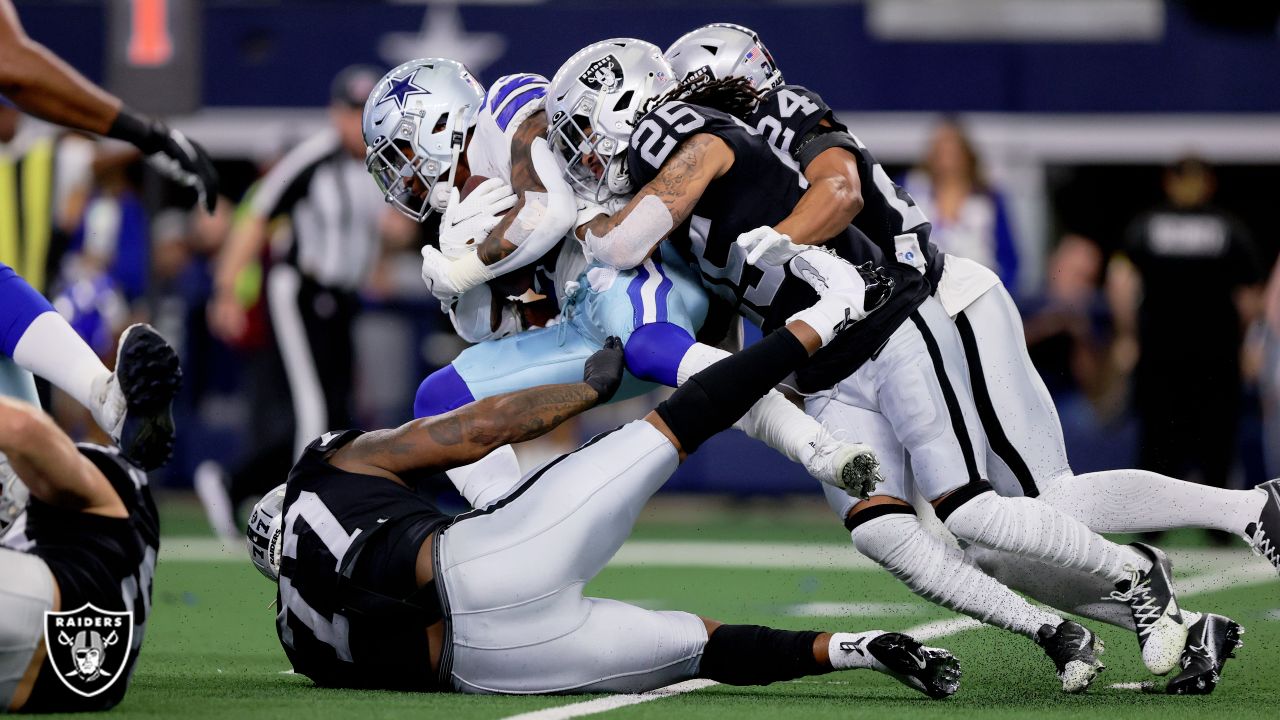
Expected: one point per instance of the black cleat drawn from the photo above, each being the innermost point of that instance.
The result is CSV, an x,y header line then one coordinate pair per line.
x,y
148,376
1074,650
1264,533
1212,641
933,671
1154,606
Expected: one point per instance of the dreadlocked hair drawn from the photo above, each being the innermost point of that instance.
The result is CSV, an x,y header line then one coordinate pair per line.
x,y
732,96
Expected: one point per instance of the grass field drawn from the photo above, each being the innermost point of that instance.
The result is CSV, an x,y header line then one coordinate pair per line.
x,y
211,649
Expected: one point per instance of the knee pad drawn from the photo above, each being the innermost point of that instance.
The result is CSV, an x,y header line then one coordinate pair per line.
x,y
442,391
653,352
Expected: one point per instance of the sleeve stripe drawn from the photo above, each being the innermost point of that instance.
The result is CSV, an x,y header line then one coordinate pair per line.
x,y
517,102
501,93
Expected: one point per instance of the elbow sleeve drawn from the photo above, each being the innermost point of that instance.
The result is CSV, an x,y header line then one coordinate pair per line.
x,y
628,244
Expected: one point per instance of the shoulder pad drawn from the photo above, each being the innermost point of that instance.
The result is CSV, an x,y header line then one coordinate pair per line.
x,y
513,95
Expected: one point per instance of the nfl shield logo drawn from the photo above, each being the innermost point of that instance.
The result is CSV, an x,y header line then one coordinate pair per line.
x,y
88,648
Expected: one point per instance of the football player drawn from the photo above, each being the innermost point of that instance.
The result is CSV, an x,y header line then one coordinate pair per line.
x,y
423,145
86,532
708,168
1026,454
379,589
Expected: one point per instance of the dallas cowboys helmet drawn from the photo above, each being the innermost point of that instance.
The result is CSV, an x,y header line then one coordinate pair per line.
x,y
724,50
266,533
593,104
13,495
416,122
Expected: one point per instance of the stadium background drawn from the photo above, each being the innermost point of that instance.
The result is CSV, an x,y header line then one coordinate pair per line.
x,y
1074,106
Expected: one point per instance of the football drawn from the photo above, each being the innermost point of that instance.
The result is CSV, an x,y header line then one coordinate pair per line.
x,y
472,183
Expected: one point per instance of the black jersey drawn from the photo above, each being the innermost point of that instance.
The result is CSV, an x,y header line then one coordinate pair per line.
x,y
350,611
106,562
790,118
762,188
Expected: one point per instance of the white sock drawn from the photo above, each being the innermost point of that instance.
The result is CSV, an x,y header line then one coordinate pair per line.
x,y
1141,501
937,571
848,651
51,349
773,420
1071,590
1030,528
488,479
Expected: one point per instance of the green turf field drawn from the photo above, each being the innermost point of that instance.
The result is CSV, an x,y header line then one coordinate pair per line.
x,y
211,649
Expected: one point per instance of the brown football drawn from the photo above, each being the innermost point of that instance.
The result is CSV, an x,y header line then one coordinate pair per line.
x,y
471,184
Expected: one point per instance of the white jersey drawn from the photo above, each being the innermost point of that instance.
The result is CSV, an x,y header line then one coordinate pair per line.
x,y
508,103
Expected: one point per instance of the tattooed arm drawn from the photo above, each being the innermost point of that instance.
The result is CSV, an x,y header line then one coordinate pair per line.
x,y
474,430
544,209
626,238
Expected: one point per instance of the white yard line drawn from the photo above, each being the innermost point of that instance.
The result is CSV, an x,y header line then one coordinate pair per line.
x,y
1247,571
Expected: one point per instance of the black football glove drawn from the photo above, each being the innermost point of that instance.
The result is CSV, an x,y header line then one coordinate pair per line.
x,y
604,370
170,153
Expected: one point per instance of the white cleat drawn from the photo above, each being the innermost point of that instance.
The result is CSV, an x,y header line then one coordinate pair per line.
x,y
1153,603
851,467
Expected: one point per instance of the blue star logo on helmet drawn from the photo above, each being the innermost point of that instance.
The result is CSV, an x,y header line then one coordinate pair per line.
x,y
402,88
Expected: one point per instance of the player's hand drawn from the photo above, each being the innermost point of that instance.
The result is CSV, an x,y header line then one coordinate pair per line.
x,y
604,370
435,273
183,161
467,221
768,246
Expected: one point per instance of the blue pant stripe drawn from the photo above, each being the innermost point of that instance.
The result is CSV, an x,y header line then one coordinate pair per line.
x,y
637,300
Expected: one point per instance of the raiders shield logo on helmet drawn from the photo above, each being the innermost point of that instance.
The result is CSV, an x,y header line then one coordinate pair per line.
x,y
88,647
603,74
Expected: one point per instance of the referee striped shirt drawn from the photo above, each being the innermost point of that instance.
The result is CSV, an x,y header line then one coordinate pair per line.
x,y
334,209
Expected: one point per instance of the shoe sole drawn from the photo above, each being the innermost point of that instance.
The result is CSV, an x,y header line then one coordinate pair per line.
x,y
1078,675
855,465
149,376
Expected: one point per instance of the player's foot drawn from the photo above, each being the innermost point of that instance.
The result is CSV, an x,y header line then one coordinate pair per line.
x,y
933,671
1264,533
1074,650
852,467
1154,606
1213,639
211,488
136,401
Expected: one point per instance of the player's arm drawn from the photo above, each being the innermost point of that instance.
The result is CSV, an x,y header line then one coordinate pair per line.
x,y
624,239
40,83
474,430
543,213
833,199
49,465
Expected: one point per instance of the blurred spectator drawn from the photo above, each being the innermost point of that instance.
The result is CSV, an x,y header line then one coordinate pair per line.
x,y
333,240
968,215
1066,326
114,235
1269,374
44,180
1186,292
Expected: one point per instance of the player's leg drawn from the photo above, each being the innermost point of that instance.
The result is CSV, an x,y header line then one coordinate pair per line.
x,y
27,593
887,530
133,405
1024,433
1018,525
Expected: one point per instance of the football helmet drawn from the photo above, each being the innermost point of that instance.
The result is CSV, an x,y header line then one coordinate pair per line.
x,y
724,50
415,126
593,104
266,533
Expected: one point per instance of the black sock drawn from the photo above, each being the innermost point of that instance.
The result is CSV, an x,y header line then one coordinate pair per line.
x,y
715,398
755,655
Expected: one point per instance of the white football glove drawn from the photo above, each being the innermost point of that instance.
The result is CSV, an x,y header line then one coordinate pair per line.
x,y
768,246
468,221
436,270
841,292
